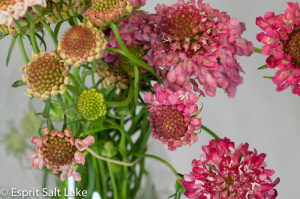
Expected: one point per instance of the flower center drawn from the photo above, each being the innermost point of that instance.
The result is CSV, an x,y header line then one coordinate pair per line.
x,y
126,64
91,104
100,5
292,47
45,73
57,151
170,123
78,41
183,29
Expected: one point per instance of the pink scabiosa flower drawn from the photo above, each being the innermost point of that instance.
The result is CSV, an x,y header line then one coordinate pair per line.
x,y
81,44
60,152
281,37
205,39
135,3
228,172
46,75
102,13
15,9
172,120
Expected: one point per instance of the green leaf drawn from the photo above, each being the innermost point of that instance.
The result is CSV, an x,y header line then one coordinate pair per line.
x,y
56,29
18,84
42,41
263,67
11,47
39,10
71,7
2,36
29,17
80,18
19,25
74,90
47,108
59,9
268,77
71,22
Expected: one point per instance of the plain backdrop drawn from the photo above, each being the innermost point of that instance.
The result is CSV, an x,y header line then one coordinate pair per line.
x,y
266,119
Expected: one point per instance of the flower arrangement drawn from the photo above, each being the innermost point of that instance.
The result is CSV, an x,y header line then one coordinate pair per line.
x,y
121,76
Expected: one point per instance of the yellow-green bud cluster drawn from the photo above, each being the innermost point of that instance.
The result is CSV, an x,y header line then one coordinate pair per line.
x,y
91,104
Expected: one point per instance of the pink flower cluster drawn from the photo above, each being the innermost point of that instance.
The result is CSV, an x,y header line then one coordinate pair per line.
x,y
191,42
60,152
228,172
14,9
281,37
172,120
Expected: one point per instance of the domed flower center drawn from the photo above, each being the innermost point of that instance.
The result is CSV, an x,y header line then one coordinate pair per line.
x,y
292,47
78,41
183,29
57,150
91,104
170,123
126,64
45,73
108,5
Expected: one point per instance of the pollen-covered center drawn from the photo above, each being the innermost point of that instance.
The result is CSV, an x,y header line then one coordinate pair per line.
x,y
45,73
58,151
107,5
78,42
292,47
169,123
126,64
184,28
91,104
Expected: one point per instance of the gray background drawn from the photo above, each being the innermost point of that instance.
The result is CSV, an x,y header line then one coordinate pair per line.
x,y
267,120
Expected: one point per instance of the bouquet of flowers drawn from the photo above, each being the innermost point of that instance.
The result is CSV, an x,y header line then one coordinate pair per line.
x,y
120,76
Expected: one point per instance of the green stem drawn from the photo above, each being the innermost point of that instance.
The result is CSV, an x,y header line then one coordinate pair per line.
x,y
159,159
258,50
33,39
210,132
103,174
136,83
69,98
49,30
128,54
123,103
22,49
113,181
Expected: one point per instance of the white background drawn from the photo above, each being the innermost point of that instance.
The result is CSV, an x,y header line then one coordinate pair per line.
x,y
267,120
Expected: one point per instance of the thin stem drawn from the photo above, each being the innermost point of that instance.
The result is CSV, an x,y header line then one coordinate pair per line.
x,y
22,49
210,132
49,30
33,39
258,50
136,83
128,54
159,159
123,103
113,181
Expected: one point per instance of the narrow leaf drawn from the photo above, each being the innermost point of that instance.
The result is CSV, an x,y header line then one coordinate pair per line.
x,y
47,108
56,29
263,67
11,47
71,7
74,90
19,26
42,41
18,83
268,77
59,9
29,17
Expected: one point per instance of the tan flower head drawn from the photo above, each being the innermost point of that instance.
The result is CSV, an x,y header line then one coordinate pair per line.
x,y
46,75
81,44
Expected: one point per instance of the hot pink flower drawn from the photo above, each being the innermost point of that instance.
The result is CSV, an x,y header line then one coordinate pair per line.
x,y
281,39
172,120
60,152
228,172
137,2
200,42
